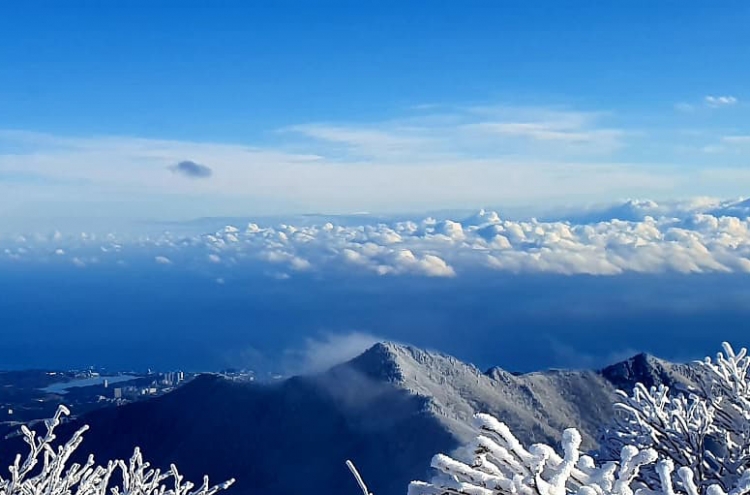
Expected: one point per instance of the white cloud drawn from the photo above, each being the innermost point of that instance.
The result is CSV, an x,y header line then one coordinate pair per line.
x,y
374,142
405,261
282,257
703,235
720,101
593,140
727,146
449,160
710,101
437,158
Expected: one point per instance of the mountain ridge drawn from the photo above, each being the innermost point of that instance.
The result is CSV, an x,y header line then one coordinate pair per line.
x,y
389,410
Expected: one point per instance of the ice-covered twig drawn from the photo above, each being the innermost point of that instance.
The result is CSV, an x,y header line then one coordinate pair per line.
x,y
704,435
357,477
57,477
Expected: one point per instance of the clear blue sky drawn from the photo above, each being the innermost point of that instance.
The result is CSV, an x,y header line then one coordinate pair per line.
x,y
367,105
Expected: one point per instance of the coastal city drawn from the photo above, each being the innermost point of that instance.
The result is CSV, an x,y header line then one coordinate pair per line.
x,y
31,395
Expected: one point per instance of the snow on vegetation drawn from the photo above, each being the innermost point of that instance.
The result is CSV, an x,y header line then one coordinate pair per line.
x,y
638,236
47,470
659,444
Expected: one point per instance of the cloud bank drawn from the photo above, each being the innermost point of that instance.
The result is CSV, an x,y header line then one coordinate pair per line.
x,y
699,236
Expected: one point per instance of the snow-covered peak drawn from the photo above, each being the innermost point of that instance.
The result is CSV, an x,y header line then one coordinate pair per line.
x,y
381,362
651,371
455,390
404,364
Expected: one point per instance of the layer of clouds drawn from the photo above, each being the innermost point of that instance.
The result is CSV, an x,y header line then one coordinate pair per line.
x,y
191,169
698,236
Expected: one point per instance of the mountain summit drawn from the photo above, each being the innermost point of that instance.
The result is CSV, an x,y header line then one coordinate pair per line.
x,y
389,409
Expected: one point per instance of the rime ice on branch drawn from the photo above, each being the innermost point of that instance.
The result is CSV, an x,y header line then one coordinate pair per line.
x,y
705,435
55,476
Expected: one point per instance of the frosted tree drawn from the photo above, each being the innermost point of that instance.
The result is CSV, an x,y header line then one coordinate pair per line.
x,y
704,434
678,428
500,464
47,470
707,431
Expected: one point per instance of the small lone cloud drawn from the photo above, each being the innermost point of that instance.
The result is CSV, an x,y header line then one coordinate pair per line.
x,y
720,101
191,169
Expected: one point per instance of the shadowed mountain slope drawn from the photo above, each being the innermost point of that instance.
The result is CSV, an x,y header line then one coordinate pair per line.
x,y
390,409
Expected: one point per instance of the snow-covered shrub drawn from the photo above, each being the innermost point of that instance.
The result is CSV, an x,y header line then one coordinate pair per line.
x,y
705,435
46,471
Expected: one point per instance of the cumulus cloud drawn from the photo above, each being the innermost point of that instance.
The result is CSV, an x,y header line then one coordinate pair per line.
x,y
637,236
191,169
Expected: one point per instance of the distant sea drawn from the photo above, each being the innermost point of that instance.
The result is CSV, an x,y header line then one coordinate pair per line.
x,y
136,319
63,387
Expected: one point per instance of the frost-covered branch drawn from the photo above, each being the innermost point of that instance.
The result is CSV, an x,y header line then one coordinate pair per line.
x,y
726,385
707,431
501,465
676,427
704,435
46,471
358,478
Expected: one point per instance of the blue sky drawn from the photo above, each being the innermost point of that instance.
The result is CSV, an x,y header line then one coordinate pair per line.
x,y
299,106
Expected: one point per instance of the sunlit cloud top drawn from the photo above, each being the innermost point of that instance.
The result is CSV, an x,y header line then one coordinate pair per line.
x,y
701,236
